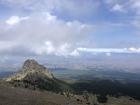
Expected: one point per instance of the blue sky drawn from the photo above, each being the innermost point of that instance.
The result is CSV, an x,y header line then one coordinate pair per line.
x,y
61,27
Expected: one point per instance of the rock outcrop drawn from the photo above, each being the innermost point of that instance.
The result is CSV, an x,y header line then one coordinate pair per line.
x,y
31,69
35,76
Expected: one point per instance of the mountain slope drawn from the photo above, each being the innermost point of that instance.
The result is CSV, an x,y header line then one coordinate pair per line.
x,y
35,76
31,67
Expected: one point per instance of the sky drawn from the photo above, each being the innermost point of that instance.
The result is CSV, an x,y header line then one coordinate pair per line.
x,y
68,28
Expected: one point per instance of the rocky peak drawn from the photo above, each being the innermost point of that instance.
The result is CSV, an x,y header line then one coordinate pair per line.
x,y
32,64
32,68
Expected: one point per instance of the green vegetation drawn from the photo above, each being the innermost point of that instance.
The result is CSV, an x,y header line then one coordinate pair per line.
x,y
107,87
102,88
36,77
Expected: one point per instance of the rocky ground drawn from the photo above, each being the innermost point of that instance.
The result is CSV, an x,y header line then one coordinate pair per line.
x,y
20,96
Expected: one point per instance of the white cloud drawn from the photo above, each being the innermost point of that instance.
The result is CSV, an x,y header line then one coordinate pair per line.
x,y
109,50
63,50
70,7
118,7
49,48
108,54
44,34
135,4
4,45
49,16
15,19
75,53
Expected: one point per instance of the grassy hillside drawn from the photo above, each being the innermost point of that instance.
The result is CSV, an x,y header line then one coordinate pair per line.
x,y
20,96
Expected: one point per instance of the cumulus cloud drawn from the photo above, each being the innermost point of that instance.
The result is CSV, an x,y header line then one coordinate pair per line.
x,y
49,48
118,7
43,34
131,10
15,19
121,5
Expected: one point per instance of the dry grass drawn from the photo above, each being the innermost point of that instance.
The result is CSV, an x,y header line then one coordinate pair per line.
x,y
19,96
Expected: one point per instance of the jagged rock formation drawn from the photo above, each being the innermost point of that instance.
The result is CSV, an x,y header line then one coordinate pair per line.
x,y
31,68
35,76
